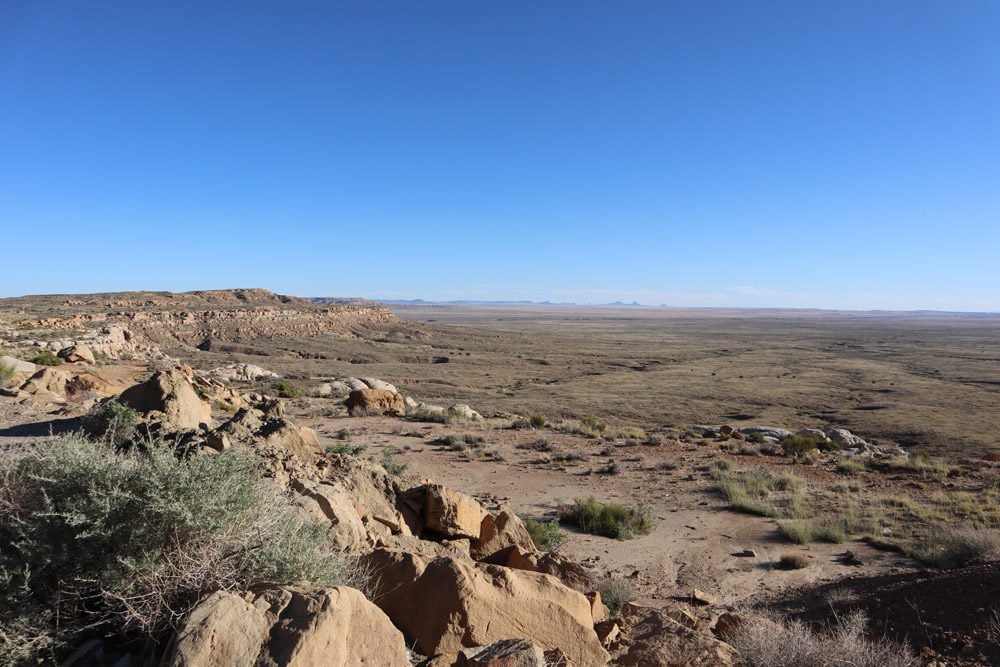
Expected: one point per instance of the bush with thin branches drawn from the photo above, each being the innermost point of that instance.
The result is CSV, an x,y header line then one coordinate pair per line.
x,y
125,543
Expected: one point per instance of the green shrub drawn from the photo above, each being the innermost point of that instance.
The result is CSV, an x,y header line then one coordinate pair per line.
x,y
47,358
390,464
345,448
545,534
804,531
538,420
285,389
800,443
760,492
113,421
6,375
615,593
126,543
958,547
608,519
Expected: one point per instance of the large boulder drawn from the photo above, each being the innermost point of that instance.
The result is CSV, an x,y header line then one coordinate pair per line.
x,y
296,626
170,399
447,605
463,412
77,354
19,366
498,533
445,511
327,502
375,401
375,383
49,383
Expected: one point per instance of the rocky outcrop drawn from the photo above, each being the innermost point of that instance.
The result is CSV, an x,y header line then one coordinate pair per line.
x,y
289,625
77,354
242,373
256,427
498,534
447,605
169,400
375,401
19,366
447,512
650,637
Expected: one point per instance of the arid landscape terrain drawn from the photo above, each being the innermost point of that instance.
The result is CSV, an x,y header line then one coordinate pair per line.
x,y
718,476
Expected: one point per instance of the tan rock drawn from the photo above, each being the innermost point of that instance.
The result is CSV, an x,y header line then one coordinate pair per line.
x,y
77,354
326,502
650,637
701,597
18,365
296,626
499,532
448,605
375,401
48,382
445,511
169,398
506,653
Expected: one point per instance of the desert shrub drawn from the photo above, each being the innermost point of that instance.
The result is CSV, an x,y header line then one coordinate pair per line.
x,y
763,640
542,445
458,443
112,421
285,389
125,543
958,547
792,562
804,531
47,358
568,457
612,468
608,519
653,441
545,534
346,448
390,464
592,425
760,492
6,374
425,414
920,462
538,420
800,443
851,466
615,593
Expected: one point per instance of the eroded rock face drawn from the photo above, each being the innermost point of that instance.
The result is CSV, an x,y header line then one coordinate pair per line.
x,y
652,637
169,398
242,373
445,511
447,605
254,427
375,401
497,534
297,626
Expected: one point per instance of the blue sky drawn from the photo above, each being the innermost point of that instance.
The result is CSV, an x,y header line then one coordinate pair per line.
x,y
839,154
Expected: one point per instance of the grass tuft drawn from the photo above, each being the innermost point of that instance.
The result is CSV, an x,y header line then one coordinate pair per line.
x,y
608,519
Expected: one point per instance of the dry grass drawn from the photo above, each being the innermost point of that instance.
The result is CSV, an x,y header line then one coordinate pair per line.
x,y
760,492
766,641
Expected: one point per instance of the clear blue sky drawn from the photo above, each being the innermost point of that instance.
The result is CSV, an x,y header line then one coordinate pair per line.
x,y
829,154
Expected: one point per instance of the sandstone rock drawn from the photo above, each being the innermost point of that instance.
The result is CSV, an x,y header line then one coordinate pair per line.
x,y
814,433
497,533
769,433
327,502
463,411
409,402
506,653
77,353
375,401
19,366
354,384
569,572
292,625
255,428
608,632
375,383
48,382
845,439
703,598
448,605
651,638
242,373
169,398
445,511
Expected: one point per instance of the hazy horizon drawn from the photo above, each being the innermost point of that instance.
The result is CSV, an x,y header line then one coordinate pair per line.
x,y
780,154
